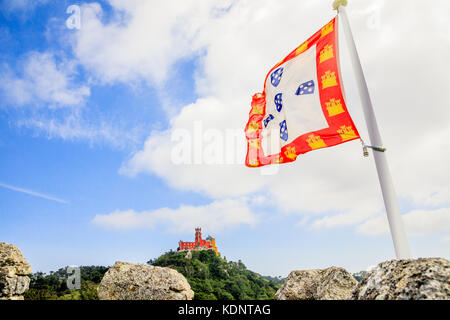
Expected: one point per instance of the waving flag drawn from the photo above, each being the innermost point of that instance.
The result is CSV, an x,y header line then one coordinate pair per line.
x,y
302,107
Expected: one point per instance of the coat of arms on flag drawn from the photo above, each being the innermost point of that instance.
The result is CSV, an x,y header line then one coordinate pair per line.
x,y
302,106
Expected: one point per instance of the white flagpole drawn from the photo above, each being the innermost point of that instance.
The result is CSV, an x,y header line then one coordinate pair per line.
x,y
390,199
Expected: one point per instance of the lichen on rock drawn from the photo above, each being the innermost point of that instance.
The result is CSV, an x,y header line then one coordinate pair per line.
x,y
409,279
319,284
14,271
129,281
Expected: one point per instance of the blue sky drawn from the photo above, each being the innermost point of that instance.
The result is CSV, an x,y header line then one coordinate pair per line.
x,y
88,116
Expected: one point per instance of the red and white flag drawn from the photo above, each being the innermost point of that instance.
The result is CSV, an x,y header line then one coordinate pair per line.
x,y
302,107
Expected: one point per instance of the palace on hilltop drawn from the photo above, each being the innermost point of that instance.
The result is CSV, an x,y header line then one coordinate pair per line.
x,y
200,244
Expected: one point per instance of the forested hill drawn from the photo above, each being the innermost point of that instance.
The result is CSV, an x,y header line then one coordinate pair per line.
x,y
212,277
53,286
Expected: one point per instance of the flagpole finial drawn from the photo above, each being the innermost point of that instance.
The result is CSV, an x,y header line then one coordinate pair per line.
x,y
338,3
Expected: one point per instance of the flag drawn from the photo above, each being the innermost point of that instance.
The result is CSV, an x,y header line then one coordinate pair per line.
x,y
302,107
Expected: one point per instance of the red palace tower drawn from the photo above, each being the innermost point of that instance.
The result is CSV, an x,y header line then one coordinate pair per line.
x,y
200,244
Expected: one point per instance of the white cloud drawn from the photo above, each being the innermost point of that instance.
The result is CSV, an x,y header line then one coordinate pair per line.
x,y
74,126
217,181
424,177
142,39
54,102
44,80
214,217
417,222
343,219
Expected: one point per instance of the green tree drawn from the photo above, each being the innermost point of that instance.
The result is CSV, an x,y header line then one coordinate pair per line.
x,y
212,277
53,286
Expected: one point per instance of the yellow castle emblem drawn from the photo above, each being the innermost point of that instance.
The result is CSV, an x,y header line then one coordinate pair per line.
x,y
327,29
253,162
253,126
334,107
347,133
253,147
329,80
302,48
291,153
326,53
315,142
258,109
277,160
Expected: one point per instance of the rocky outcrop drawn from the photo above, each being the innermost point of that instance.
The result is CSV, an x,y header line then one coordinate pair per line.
x,y
14,270
419,279
129,281
320,284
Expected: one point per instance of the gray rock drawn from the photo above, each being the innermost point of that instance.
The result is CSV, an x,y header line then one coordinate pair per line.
x,y
412,279
129,281
320,284
12,298
13,286
14,270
